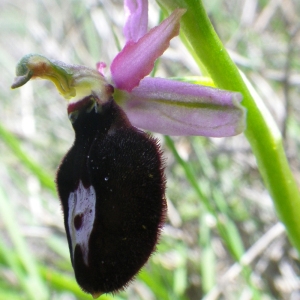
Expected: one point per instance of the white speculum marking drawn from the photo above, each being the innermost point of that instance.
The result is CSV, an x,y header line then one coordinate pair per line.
x,y
82,205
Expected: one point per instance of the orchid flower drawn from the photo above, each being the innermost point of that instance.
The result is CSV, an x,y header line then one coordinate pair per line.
x,y
163,105
156,104
111,183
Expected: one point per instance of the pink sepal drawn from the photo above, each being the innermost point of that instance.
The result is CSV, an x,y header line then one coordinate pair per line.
x,y
136,19
136,60
178,108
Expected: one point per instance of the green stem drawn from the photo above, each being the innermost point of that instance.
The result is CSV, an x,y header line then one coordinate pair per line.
x,y
262,132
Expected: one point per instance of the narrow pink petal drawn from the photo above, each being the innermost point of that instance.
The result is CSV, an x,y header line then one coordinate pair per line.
x,y
100,67
136,19
179,108
136,60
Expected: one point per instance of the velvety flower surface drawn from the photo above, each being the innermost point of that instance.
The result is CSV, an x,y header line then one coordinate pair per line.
x,y
111,182
113,175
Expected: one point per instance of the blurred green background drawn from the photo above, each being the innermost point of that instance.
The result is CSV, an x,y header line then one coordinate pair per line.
x,y
210,181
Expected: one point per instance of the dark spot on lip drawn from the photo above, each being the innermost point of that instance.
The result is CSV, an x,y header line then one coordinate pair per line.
x,y
78,221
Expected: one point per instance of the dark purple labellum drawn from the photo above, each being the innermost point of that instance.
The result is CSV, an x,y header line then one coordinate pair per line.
x,y
112,187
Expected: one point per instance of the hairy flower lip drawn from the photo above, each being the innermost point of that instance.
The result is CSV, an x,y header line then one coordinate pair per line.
x,y
78,105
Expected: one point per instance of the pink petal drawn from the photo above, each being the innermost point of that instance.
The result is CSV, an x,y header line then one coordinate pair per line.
x,y
136,60
136,19
100,67
180,108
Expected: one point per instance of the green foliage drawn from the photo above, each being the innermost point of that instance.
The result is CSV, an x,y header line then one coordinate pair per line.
x,y
222,239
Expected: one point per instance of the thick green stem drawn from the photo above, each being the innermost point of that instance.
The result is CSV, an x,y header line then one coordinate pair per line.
x,y
262,132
